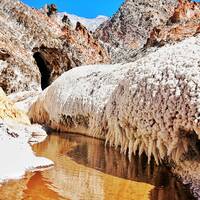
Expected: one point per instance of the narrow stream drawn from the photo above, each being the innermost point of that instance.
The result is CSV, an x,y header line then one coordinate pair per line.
x,y
87,170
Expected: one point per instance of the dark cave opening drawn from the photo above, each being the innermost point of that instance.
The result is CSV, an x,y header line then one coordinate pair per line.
x,y
44,71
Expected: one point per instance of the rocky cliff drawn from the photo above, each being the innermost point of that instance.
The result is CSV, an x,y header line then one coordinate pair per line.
x,y
184,22
35,49
141,24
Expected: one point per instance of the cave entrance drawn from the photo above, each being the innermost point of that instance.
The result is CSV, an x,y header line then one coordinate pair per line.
x,y
44,70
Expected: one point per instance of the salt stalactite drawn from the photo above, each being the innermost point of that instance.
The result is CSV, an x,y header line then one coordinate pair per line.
x,y
150,106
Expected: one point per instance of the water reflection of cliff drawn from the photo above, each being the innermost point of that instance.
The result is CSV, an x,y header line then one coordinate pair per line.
x,y
86,170
77,181
93,154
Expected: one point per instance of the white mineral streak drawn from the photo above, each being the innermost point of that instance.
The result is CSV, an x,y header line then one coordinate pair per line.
x,y
151,105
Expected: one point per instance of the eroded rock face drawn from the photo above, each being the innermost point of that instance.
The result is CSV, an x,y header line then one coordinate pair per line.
x,y
150,106
185,11
139,25
129,28
25,31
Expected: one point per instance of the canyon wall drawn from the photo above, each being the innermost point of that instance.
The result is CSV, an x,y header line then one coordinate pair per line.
x,y
34,48
140,25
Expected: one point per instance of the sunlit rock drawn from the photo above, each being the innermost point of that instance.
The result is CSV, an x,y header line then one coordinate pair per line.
x,y
8,110
128,30
24,100
139,25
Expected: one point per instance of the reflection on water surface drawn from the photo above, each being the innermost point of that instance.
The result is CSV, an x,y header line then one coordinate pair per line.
x,y
86,170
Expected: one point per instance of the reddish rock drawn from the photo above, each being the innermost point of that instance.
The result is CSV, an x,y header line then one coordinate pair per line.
x,y
185,22
141,24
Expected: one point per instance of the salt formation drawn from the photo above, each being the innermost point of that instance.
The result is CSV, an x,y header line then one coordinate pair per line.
x,y
16,155
151,106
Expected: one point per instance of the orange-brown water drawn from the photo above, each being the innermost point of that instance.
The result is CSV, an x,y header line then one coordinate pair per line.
x,y
86,170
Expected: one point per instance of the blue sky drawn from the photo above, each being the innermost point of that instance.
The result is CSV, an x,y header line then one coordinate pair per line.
x,y
83,8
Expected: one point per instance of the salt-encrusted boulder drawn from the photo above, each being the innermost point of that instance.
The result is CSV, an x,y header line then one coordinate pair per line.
x,y
151,105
